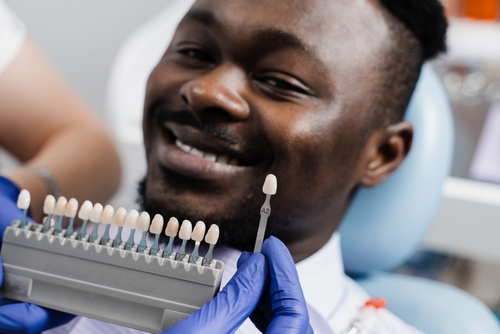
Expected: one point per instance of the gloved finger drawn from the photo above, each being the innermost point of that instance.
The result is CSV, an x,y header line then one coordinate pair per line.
x,y
29,318
232,305
243,257
287,299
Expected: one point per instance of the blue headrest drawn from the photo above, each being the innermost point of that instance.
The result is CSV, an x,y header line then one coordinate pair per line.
x,y
384,225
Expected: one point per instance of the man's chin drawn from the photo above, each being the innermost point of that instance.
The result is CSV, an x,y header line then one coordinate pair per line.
x,y
238,220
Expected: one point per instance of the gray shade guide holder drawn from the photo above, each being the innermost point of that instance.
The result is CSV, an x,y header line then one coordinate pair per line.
x,y
137,290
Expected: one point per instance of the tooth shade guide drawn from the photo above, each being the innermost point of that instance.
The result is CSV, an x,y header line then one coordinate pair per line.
x,y
96,213
120,216
270,185
24,199
131,220
198,232
49,205
186,230
269,188
157,224
71,208
61,206
108,215
172,227
85,210
143,222
212,235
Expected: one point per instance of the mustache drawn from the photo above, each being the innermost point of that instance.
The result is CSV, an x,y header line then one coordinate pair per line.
x,y
187,118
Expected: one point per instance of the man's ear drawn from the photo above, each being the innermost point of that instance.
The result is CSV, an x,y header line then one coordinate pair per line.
x,y
385,151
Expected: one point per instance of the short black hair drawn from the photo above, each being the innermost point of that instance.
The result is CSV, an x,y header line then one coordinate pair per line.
x,y
418,33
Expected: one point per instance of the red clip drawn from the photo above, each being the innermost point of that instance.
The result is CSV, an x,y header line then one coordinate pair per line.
x,y
376,303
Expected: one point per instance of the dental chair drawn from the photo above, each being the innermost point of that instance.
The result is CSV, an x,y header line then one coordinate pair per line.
x,y
383,226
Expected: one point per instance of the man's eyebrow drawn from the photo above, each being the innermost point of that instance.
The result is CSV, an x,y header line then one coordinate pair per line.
x,y
278,39
204,17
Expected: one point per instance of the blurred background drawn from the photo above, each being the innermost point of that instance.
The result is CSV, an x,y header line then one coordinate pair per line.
x,y
81,38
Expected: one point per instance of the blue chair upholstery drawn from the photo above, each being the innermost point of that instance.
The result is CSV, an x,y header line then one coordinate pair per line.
x,y
375,235
385,224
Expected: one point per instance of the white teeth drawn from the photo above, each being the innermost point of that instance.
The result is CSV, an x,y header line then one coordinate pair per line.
x,y
182,146
223,159
210,157
196,152
131,220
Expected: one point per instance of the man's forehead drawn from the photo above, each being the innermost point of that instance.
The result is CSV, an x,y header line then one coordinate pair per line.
x,y
323,27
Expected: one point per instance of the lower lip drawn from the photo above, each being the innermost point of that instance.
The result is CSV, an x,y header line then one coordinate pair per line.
x,y
178,161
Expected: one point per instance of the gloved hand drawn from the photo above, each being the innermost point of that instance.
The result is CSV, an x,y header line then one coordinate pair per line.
x,y
16,317
282,308
8,204
276,290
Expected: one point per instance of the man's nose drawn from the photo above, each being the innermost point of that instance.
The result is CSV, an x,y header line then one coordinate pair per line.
x,y
218,91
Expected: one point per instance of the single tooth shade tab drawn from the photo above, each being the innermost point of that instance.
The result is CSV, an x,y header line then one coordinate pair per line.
x,y
24,199
120,216
131,221
143,222
156,224
85,210
108,214
198,231
186,230
172,227
49,205
61,206
96,214
212,235
71,208
270,185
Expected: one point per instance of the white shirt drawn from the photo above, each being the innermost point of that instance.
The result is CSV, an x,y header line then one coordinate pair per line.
x,y
12,36
333,299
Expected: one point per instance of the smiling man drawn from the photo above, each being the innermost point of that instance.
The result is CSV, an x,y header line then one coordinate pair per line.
x,y
311,91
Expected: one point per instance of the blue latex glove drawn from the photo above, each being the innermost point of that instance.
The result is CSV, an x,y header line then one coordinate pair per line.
x,y
270,293
282,308
16,317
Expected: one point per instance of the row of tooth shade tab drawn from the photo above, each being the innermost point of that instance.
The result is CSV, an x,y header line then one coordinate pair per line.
x,y
57,211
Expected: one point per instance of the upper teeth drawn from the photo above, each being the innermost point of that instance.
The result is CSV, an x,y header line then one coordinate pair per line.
x,y
223,159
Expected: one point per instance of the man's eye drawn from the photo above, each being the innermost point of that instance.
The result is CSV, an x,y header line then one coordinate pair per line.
x,y
283,85
196,54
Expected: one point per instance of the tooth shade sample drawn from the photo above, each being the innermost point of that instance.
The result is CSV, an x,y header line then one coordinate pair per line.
x,y
131,221
49,205
156,224
24,199
85,210
61,206
186,229
96,214
108,214
198,231
172,227
143,223
120,216
270,185
71,208
212,235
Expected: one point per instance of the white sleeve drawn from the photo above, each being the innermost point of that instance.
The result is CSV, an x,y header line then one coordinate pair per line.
x,y
12,36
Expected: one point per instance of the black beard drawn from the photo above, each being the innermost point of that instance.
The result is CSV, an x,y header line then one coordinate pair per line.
x,y
238,228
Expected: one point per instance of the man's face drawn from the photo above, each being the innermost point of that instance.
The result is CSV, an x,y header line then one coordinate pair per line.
x,y
259,87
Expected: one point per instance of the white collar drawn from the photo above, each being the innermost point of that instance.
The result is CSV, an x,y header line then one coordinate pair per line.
x,y
322,277
321,274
